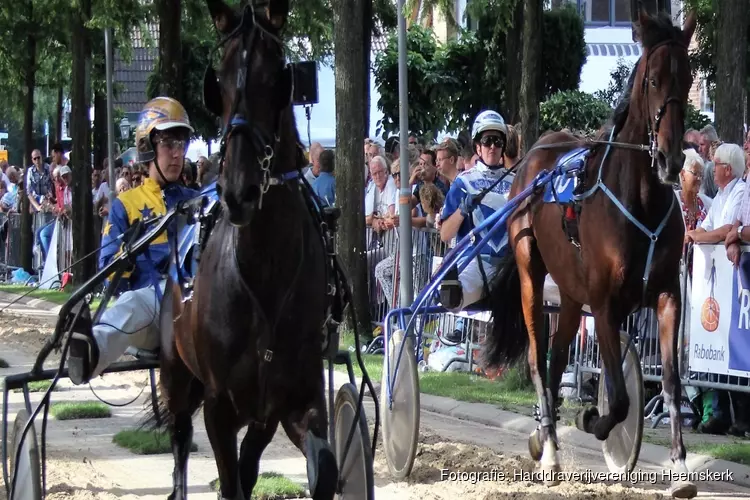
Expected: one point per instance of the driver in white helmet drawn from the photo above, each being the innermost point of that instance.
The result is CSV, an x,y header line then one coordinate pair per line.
x,y
461,213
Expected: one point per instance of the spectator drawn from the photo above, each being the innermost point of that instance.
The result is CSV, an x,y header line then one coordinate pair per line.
x,y
708,136
9,201
512,148
4,170
693,208
379,195
122,185
38,181
324,184
729,164
447,159
313,170
190,175
101,198
432,201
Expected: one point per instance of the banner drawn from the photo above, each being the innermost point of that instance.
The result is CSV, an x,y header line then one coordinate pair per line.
x,y
719,315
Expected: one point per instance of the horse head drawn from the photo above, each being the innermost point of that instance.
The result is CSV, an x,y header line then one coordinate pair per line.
x,y
663,79
252,93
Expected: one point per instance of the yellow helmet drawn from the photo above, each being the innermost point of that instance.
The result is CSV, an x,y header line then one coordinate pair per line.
x,y
160,113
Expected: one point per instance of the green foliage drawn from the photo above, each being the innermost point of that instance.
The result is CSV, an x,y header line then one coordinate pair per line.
x,y
695,119
703,58
424,78
563,50
467,87
617,84
574,110
449,84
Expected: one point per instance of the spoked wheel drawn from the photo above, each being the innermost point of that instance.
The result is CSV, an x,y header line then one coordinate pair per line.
x,y
400,414
622,447
356,480
29,479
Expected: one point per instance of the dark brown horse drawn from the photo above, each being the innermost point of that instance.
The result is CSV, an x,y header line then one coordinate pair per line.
x,y
611,272
248,344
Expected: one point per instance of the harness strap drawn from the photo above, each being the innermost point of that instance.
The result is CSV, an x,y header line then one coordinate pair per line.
x,y
653,236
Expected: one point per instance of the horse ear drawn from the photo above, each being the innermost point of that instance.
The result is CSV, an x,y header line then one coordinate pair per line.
x,y
688,29
224,17
278,11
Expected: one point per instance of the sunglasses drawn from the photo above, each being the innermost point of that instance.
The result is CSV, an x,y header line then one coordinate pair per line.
x,y
36,158
173,144
490,140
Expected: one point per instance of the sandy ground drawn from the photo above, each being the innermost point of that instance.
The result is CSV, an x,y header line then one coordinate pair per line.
x,y
84,464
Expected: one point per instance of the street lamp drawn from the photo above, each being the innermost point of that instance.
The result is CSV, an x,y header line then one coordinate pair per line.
x,y
125,129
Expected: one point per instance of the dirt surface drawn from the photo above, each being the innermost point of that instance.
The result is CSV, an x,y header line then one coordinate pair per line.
x,y
84,464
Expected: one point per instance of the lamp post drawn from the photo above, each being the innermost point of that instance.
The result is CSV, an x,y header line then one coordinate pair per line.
x,y
125,130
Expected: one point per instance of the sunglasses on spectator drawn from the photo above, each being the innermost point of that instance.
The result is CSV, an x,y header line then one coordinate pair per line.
x,y
36,158
490,140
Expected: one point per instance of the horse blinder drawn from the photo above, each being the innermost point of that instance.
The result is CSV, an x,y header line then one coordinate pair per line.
x,y
212,91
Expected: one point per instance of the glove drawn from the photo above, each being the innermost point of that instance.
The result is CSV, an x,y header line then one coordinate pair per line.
x,y
467,205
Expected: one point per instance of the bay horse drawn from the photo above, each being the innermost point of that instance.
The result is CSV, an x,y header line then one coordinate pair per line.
x,y
614,269
248,343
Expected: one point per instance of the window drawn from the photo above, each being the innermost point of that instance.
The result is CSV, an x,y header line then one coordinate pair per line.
x,y
605,12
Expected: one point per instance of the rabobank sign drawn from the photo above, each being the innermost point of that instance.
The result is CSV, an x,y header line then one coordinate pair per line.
x,y
702,351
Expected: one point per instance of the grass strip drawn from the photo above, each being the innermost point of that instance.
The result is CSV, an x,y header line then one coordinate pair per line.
x,y
79,410
271,486
146,442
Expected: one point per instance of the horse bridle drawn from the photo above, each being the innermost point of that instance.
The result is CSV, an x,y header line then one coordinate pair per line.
x,y
249,30
653,131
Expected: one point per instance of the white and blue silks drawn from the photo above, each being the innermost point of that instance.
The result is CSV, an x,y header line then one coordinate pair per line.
x,y
473,182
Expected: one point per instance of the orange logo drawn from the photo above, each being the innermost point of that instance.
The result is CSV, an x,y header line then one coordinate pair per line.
x,y
710,308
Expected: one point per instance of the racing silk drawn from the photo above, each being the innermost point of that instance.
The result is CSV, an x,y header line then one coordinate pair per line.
x,y
143,202
473,182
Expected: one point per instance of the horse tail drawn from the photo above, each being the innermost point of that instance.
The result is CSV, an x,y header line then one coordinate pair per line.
x,y
508,339
156,412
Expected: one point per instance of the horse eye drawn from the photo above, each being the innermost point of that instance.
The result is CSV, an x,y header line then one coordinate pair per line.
x,y
653,82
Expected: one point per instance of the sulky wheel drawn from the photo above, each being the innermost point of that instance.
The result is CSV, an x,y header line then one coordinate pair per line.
x,y
29,478
623,445
355,474
401,418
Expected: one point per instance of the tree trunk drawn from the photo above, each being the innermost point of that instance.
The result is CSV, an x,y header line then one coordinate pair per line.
x,y
731,51
367,47
59,112
531,72
347,39
513,61
170,48
27,221
80,158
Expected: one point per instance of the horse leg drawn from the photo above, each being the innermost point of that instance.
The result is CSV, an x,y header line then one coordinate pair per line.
x,y
668,309
569,319
308,430
608,335
221,427
252,447
532,273
185,396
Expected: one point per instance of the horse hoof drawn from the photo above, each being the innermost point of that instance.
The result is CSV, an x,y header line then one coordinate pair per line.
x,y
327,479
585,418
683,489
535,446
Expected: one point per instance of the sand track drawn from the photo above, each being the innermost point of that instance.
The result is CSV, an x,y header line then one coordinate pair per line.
x,y
84,464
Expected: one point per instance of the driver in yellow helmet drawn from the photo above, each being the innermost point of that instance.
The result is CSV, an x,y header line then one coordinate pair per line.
x,y
162,138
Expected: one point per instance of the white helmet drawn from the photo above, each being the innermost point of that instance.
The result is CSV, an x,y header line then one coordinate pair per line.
x,y
488,120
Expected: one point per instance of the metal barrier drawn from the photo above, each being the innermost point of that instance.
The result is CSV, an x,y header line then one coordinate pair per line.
x,y
584,360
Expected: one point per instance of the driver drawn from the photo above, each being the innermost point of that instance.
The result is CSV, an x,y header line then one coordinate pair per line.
x,y
162,137
461,213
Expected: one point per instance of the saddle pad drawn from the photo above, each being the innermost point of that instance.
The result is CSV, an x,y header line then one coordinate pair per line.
x,y
565,185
